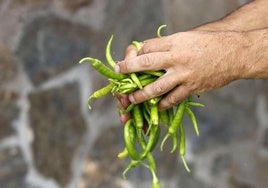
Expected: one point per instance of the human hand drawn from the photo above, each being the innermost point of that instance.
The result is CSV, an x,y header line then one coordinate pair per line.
x,y
194,62
122,104
122,100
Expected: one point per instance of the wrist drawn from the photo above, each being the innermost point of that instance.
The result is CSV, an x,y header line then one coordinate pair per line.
x,y
254,54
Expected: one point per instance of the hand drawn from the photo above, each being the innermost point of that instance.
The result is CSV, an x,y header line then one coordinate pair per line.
x,y
122,104
122,100
194,62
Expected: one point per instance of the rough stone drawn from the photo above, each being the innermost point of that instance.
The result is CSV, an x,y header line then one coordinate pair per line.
x,y
169,164
58,127
8,112
221,163
18,3
265,140
188,180
13,168
265,91
11,20
74,5
248,167
183,15
8,66
103,168
139,20
50,45
225,118
264,94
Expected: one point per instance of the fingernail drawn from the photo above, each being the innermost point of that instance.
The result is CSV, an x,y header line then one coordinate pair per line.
x,y
131,98
117,68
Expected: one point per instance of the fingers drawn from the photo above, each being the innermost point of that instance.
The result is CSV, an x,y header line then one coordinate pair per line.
x,y
131,52
153,55
124,118
174,97
155,45
122,100
152,61
122,103
175,94
148,46
161,86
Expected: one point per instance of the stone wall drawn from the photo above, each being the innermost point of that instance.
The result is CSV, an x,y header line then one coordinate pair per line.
x,y
49,138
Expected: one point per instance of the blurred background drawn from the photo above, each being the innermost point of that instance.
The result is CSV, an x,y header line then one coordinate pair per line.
x,y
49,138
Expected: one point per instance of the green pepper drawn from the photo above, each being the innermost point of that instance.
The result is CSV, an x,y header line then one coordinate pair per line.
x,y
130,139
102,69
177,120
152,141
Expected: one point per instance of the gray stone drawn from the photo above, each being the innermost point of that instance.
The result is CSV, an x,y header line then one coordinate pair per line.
x,y
8,66
50,45
228,115
188,180
248,167
183,15
132,20
13,168
168,163
265,139
74,5
30,3
239,184
264,93
58,128
221,163
102,167
8,112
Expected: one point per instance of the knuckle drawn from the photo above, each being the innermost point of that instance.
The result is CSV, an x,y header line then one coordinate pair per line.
x,y
146,93
145,49
131,51
141,51
130,48
186,56
158,87
140,96
123,67
146,61
172,100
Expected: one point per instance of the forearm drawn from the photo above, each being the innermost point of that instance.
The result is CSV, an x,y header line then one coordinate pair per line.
x,y
253,15
254,60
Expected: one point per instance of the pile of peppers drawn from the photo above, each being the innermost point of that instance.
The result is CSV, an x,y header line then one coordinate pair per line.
x,y
142,130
